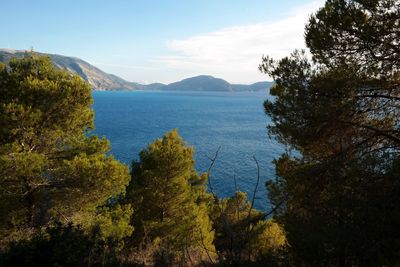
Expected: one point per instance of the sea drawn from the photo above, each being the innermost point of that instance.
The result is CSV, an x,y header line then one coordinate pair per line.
x,y
234,123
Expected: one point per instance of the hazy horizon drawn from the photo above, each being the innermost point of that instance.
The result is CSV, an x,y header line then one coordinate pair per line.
x,y
11,50
157,41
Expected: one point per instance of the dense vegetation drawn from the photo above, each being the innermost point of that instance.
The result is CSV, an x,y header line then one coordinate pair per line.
x,y
335,201
66,203
339,199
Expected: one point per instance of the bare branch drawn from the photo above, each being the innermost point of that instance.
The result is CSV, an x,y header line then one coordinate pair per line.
x,y
255,188
266,215
249,229
234,180
237,200
209,171
205,248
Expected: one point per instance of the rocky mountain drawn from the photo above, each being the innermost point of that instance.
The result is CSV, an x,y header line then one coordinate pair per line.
x,y
99,80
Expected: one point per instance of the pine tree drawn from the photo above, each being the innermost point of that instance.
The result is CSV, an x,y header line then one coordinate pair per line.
x,y
337,196
242,233
170,202
51,167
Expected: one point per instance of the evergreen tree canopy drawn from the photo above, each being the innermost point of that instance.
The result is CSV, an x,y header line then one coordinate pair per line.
x,y
57,246
169,203
338,200
242,233
50,167
363,32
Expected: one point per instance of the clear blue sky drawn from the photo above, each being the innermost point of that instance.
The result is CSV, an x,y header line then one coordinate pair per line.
x,y
165,40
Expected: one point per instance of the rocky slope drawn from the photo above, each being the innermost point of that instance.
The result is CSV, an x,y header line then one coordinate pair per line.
x,y
99,80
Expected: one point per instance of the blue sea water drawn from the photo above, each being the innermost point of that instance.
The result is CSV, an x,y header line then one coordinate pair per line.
x,y
206,120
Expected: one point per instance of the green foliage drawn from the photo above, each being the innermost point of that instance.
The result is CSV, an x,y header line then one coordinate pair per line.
x,y
113,224
337,199
346,206
170,207
114,221
267,238
361,32
60,246
243,235
50,169
63,201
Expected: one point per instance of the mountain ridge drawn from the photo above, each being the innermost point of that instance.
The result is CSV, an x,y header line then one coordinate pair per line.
x,y
100,80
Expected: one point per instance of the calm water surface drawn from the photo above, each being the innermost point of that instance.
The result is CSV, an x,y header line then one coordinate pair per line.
x,y
206,120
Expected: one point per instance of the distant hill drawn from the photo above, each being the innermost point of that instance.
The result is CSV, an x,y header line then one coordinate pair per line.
x,y
255,87
199,83
210,83
99,80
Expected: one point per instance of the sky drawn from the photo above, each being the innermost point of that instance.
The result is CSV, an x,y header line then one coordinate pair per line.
x,y
161,40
